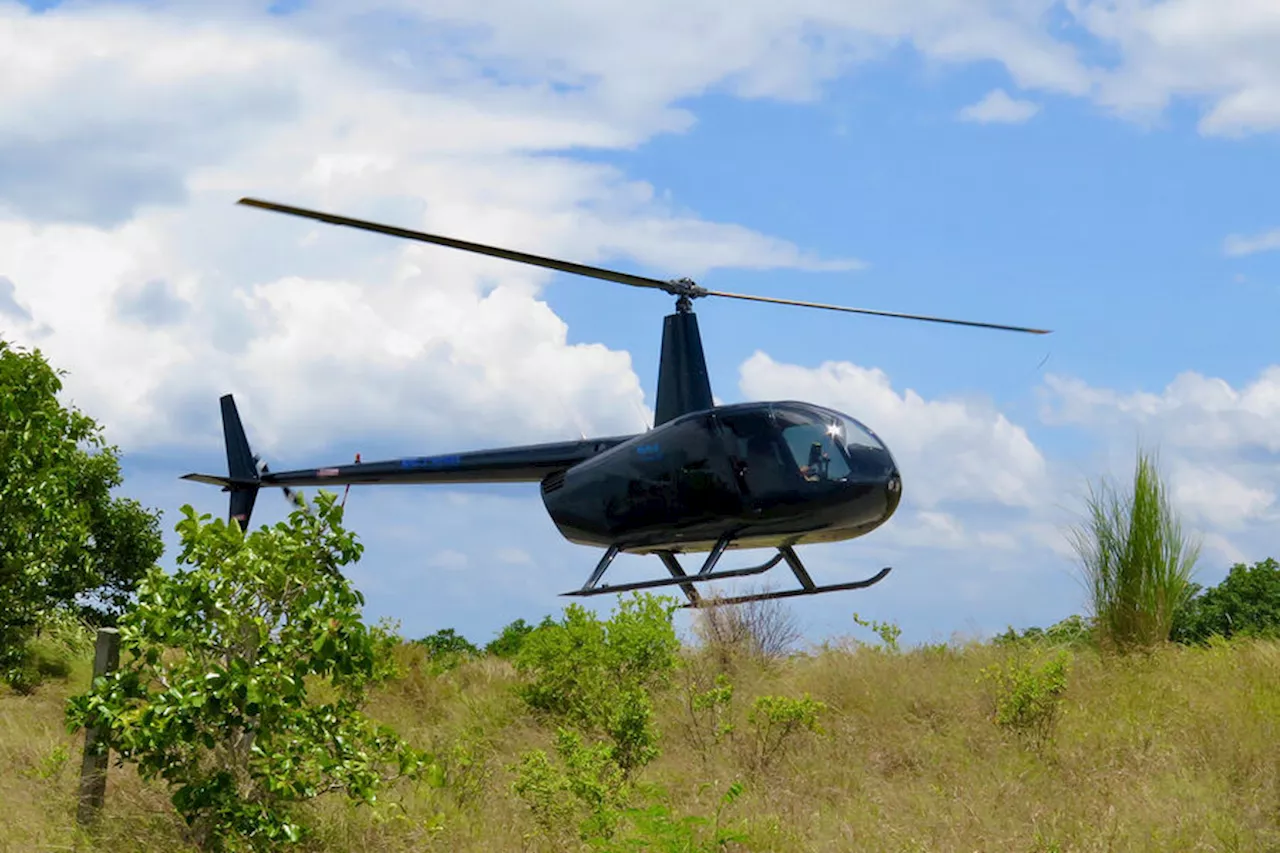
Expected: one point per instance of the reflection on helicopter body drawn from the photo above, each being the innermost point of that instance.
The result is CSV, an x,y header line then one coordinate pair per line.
x,y
769,473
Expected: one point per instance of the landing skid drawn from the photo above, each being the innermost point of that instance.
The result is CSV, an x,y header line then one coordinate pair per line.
x,y
707,574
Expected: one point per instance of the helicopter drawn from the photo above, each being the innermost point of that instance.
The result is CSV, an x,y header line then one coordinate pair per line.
x,y
705,478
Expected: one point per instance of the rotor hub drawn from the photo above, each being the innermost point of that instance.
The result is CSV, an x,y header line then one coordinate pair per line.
x,y
685,288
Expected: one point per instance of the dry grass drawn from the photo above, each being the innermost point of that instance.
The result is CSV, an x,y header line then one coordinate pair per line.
x,y
1173,751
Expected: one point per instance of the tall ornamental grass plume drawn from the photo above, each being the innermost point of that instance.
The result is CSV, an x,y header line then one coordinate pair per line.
x,y
1137,563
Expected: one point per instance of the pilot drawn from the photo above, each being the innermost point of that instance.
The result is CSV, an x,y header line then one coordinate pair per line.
x,y
817,467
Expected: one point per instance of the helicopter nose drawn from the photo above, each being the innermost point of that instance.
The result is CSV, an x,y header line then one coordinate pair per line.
x,y
893,493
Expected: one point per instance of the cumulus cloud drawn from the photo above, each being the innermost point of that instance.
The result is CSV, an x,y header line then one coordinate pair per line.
x,y
1219,54
1217,51
1217,446
126,134
949,451
1195,413
999,107
322,333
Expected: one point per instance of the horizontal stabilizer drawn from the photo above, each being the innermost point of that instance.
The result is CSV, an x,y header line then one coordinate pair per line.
x,y
225,482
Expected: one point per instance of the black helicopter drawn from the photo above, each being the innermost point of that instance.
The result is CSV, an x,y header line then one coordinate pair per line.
x,y
704,478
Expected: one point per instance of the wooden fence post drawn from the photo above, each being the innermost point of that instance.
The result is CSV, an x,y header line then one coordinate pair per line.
x,y
93,772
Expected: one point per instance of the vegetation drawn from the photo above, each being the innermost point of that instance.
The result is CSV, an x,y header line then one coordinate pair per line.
x,y
909,750
1245,604
66,545
244,678
1136,559
511,638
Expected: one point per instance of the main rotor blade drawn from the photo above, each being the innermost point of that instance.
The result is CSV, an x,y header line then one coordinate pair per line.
x,y
877,313
478,248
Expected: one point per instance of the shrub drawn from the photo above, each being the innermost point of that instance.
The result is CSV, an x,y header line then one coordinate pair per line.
x,y
1136,560
596,676
1245,604
1026,698
888,632
777,720
765,630
219,664
593,678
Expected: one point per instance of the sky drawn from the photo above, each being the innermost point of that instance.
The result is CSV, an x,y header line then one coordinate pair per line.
x,y
1100,168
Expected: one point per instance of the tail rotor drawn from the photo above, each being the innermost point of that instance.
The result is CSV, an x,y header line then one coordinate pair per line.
x,y
294,497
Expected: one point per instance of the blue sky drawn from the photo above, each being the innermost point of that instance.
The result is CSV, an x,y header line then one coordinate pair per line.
x,y
1086,168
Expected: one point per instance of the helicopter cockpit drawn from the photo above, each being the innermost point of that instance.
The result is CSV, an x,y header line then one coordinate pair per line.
x,y
827,445
782,447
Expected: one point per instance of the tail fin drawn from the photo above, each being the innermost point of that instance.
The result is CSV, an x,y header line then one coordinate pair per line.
x,y
241,466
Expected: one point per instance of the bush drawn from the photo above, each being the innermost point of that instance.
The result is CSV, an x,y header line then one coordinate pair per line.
x,y
1136,561
1026,698
596,676
765,630
888,632
775,722
1245,604
219,663
590,679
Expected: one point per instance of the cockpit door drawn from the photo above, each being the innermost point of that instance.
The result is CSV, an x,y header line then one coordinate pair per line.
x,y
762,464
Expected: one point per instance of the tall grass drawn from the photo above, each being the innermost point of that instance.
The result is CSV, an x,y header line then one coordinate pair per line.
x,y
1137,562
1175,752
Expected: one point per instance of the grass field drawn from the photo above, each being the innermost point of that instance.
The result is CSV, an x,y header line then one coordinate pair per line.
x,y
1171,751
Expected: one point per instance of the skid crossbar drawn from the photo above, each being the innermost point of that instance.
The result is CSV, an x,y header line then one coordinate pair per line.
x,y
678,575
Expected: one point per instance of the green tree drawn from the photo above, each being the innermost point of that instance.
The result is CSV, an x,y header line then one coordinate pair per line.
x,y
1245,604
219,666
446,649
447,641
1137,562
65,542
511,638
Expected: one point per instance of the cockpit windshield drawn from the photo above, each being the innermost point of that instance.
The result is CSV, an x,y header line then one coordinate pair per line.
x,y
829,446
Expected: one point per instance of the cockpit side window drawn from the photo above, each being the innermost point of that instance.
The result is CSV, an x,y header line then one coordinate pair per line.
x,y
815,445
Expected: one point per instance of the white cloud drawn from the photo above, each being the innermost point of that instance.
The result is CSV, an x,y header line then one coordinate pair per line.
x,y
1216,497
1237,245
1195,413
949,451
1219,52
999,107
142,279
1217,446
